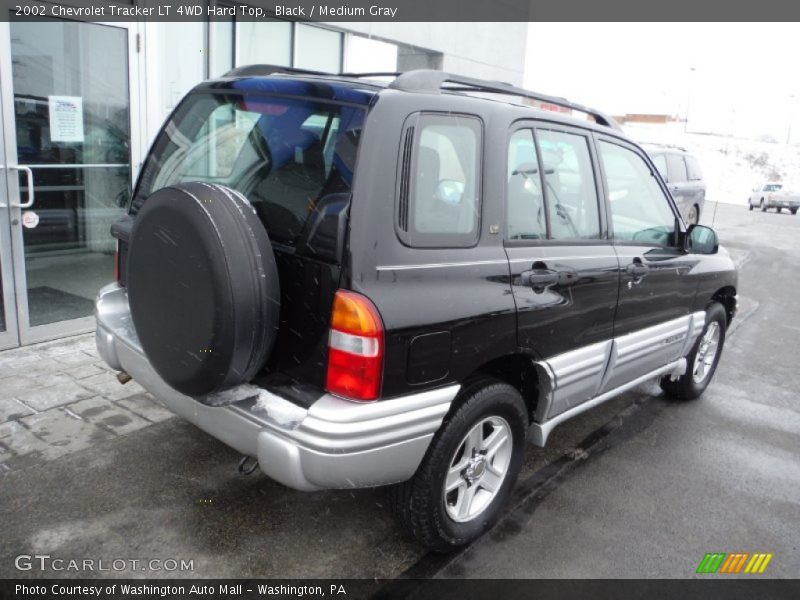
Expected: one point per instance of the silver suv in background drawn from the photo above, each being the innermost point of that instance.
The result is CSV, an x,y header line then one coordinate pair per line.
x,y
681,171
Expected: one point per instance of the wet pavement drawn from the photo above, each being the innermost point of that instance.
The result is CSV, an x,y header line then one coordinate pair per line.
x,y
639,487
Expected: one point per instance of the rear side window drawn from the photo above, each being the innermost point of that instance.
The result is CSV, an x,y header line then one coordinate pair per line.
x,y
284,155
570,188
693,169
676,168
439,181
525,212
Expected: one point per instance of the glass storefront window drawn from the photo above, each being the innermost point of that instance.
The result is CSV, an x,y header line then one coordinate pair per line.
x,y
318,49
263,42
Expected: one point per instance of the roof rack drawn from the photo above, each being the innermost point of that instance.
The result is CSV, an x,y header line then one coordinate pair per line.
x,y
264,70
430,81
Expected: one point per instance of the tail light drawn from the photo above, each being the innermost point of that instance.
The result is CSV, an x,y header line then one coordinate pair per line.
x,y
355,348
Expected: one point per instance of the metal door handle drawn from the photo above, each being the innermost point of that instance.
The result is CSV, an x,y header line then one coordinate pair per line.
x,y
29,176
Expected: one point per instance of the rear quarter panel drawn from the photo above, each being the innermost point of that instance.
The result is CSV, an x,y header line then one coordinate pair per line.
x,y
464,294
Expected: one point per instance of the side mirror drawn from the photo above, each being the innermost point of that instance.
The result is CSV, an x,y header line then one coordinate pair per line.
x,y
450,191
701,240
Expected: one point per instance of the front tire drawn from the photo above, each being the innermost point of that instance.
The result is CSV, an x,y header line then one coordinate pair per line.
x,y
779,209
749,205
763,206
793,211
702,361
469,471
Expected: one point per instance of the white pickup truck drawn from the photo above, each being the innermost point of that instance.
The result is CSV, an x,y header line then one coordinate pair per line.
x,y
772,195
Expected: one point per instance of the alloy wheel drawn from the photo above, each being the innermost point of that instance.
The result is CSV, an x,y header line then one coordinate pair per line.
x,y
478,469
706,353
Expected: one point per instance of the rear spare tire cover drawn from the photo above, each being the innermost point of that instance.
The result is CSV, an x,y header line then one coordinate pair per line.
x,y
203,287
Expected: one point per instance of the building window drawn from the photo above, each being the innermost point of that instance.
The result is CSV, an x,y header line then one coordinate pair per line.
x,y
266,42
317,49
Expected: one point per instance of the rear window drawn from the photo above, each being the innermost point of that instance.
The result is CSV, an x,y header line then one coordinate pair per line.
x,y
284,155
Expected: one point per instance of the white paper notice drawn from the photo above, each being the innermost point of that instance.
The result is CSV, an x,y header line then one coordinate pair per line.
x,y
66,118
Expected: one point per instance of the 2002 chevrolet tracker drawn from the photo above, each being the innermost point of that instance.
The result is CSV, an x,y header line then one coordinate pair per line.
x,y
365,284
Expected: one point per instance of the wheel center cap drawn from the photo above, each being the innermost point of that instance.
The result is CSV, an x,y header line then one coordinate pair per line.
x,y
475,469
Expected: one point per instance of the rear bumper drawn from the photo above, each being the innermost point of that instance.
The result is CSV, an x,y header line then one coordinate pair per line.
x,y
333,444
783,204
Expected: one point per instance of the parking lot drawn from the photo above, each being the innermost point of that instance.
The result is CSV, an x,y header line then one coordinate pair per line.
x,y
640,487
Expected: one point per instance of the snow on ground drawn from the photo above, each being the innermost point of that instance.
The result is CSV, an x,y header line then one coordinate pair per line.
x,y
731,166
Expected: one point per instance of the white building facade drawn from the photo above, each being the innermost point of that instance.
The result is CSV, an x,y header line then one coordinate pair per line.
x,y
80,104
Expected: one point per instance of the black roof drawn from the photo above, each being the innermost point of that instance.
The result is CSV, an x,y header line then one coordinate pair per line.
x,y
423,81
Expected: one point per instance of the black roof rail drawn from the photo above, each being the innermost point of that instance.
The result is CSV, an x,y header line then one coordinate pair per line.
x,y
430,81
264,70
371,74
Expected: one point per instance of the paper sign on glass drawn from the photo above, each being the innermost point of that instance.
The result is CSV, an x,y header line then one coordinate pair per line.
x,y
66,118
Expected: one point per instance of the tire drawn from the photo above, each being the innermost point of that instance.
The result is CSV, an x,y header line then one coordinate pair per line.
x,y
421,505
203,288
793,211
779,209
689,386
750,206
763,206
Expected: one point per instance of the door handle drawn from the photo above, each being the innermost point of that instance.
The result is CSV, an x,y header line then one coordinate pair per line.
x,y
540,277
29,177
637,269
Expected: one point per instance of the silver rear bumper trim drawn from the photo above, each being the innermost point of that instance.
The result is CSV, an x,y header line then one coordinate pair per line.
x,y
335,443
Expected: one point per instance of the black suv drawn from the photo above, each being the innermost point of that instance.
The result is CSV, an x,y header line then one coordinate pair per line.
x,y
359,284
684,178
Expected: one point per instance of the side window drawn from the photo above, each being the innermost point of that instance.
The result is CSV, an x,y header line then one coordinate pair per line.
x,y
524,198
660,161
640,212
571,193
439,181
693,169
676,168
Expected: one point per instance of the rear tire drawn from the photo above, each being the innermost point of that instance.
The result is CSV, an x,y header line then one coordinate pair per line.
x,y
793,211
779,209
702,361
480,476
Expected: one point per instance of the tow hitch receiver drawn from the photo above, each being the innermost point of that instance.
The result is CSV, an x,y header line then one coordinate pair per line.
x,y
247,465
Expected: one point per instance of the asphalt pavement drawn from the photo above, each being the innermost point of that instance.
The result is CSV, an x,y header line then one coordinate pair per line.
x,y
639,487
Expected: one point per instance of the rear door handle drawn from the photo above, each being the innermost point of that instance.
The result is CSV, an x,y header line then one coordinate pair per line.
x,y
540,277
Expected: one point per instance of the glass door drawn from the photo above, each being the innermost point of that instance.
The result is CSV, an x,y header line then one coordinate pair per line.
x,y
9,335
67,166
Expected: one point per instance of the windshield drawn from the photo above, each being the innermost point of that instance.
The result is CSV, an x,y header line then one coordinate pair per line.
x,y
283,154
773,187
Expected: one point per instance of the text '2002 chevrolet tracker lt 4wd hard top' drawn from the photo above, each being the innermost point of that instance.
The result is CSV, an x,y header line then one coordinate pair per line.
x,y
361,284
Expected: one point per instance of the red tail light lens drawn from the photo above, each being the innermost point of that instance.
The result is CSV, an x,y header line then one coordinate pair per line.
x,y
355,348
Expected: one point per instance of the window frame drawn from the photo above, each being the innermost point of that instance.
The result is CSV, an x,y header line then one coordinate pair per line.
x,y
426,240
535,125
603,137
